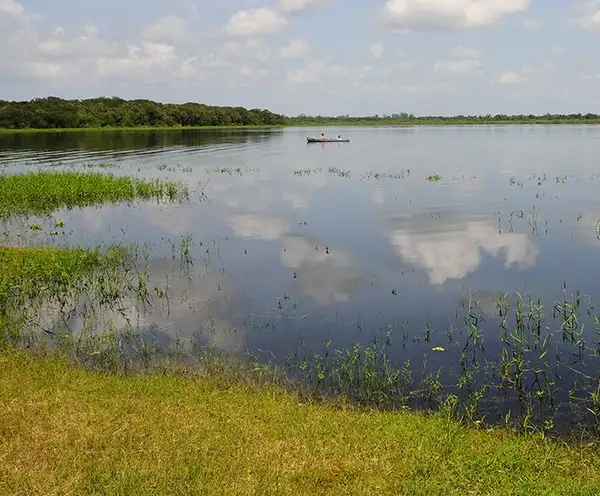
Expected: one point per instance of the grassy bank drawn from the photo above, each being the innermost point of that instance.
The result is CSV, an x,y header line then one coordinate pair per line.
x,y
41,192
319,124
70,431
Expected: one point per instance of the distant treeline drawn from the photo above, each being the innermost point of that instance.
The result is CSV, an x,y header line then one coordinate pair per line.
x,y
57,113
410,119
51,113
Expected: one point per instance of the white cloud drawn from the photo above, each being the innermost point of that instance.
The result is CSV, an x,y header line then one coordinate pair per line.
x,y
257,22
169,29
314,72
448,14
532,25
460,61
86,43
511,77
376,51
12,9
147,59
527,74
588,14
294,6
295,49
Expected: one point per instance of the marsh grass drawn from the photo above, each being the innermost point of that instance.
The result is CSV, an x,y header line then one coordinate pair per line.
x,y
70,430
42,192
36,283
536,371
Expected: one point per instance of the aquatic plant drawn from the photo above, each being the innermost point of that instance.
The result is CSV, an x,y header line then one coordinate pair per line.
x,y
42,192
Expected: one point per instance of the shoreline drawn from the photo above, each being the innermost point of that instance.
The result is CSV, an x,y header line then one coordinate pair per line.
x,y
407,124
69,429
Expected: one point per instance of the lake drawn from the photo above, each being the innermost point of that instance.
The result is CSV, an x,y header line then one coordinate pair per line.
x,y
401,235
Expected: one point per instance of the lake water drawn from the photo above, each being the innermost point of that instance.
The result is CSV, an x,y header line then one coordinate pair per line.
x,y
300,244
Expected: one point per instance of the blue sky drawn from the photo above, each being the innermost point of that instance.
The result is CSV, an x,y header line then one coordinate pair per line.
x,y
310,56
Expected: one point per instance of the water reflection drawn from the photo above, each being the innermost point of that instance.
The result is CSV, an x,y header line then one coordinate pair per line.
x,y
338,242
133,140
451,247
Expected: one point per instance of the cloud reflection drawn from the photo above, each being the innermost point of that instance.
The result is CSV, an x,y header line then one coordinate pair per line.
x,y
259,226
326,275
452,251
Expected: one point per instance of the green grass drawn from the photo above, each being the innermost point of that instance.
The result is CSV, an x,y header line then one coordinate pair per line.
x,y
42,192
40,267
65,430
31,273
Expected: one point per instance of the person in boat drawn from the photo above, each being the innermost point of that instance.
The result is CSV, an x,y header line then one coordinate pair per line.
x,y
339,136
322,136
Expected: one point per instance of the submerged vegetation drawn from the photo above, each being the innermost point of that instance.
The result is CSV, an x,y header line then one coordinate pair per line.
x,y
41,192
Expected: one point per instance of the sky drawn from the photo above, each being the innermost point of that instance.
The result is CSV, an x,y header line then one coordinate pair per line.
x,y
329,57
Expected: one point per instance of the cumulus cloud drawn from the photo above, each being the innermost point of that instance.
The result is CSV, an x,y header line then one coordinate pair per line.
x,y
295,6
532,25
12,9
448,14
295,49
313,72
257,22
144,59
587,14
460,61
527,74
85,43
376,51
169,29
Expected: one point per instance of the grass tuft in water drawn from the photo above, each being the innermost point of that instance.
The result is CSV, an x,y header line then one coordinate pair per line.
x,y
32,278
42,192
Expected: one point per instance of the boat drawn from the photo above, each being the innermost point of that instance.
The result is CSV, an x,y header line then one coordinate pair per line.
x,y
327,140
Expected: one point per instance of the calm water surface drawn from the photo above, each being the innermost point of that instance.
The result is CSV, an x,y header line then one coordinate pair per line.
x,y
295,242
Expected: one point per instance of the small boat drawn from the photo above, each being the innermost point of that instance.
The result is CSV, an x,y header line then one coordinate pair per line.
x,y
327,140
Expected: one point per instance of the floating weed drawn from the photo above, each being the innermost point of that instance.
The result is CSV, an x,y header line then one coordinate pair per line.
x,y
339,172
434,177
377,176
307,172
228,170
